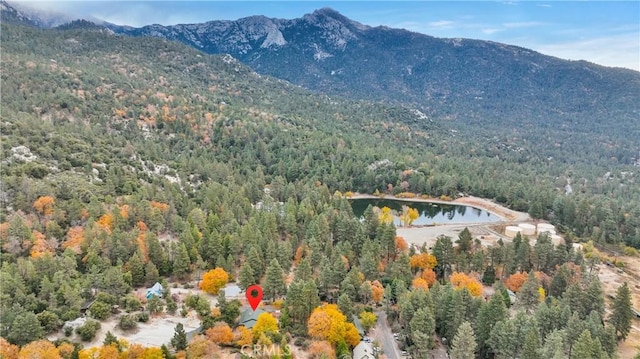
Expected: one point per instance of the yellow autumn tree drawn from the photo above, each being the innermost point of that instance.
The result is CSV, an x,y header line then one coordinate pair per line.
x,y
66,350
368,320
220,333
213,280
244,336
423,261
39,349
409,215
328,323
385,215
265,323
461,280
201,348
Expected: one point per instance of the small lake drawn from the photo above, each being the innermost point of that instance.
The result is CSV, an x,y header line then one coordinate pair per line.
x,y
430,213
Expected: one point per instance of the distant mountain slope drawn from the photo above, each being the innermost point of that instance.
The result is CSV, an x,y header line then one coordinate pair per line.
x,y
470,81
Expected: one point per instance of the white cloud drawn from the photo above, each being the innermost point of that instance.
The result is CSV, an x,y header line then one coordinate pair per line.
x,y
544,5
490,31
616,50
441,23
522,24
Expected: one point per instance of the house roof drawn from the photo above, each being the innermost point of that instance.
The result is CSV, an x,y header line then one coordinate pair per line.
x,y
249,317
363,351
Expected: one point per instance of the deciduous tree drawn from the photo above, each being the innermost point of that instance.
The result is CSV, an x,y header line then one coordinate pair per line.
x,y
214,280
220,333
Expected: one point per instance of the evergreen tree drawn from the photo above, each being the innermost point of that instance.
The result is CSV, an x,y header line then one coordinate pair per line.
x,y
464,343
151,274
25,328
531,347
423,326
274,285
465,240
346,306
622,312
443,251
110,339
554,347
583,347
303,270
246,277
489,276
179,340
182,262
528,296
136,267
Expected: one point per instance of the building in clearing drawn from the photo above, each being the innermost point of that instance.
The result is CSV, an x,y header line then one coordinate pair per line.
x,y
155,290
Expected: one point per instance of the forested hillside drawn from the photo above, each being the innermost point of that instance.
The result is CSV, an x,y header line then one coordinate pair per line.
x,y
127,161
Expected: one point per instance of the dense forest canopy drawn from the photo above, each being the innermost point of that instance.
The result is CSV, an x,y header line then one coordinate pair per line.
x,y
127,161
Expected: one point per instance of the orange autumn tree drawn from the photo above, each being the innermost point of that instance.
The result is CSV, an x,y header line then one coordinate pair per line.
x,y
515,281
75,238
141,240
40,245
220,333
461,280
44,205
321,350
8,350
328,323
419,283
213,280
429,276
401,245
377,291
423,261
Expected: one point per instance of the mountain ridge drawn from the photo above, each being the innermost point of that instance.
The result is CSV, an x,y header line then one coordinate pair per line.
x,y
467,80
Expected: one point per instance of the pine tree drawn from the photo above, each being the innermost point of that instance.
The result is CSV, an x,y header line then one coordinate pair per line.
x,y
181,263
622,312
464,241
423,326
464,343
246,277
274,285
136,267
179,340
346,306
151,274
528,296
531,347
583,348
303,271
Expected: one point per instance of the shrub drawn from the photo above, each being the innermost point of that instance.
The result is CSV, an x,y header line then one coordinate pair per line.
x,y
128,321
68,330
630,251
48,320
143,317
88,330
100,310
131,303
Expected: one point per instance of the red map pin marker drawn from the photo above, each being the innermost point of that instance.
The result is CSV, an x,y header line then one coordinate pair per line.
x,y
254,296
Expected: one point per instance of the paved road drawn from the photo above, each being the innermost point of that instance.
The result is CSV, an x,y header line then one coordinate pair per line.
x,y
385,336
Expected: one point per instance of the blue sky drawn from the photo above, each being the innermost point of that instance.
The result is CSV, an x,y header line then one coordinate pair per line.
x,y
603,32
